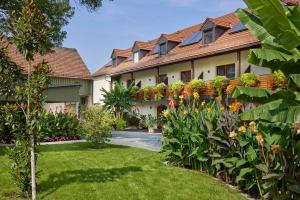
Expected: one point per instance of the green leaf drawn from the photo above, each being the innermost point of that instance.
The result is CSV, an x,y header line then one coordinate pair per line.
x,y
273,176
242,173
294,188
251,154
262,167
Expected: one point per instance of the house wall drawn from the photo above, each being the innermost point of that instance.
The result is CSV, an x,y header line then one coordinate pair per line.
x,y
173,71
99,83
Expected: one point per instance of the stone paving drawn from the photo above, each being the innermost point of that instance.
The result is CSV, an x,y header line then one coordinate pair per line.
x,y
137,139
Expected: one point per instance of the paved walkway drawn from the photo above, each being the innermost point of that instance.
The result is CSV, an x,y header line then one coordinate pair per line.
x,y
137,139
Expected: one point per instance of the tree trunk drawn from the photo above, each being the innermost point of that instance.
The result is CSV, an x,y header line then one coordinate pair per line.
x,y
33,179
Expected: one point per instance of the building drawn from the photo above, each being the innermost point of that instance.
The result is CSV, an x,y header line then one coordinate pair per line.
x,y
71,86
217,46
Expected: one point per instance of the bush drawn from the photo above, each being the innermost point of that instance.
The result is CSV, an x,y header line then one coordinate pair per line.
x,y
280,79
249,80
148,121
96,124
146,91
120,124
196,85
219,83
159,91
176,88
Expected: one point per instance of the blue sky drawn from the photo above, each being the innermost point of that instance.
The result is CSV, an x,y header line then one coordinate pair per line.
x,y
120,22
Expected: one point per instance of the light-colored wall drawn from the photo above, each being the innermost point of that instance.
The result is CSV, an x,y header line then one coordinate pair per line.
x,y
254,69
147,77
173,71
99,83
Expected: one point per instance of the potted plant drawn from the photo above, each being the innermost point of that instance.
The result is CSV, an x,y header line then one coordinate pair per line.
x,y
280,79
159,91
195,85
176,88
146,92
219,83
249,80
150,123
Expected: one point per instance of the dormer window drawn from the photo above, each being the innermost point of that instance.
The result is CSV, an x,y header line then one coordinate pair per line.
x,y
208,36
163,49
136,57
114,62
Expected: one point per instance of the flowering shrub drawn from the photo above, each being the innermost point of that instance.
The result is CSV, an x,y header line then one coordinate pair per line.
x,y
196,85
176,88
280,79
146,92
249,80
159,91
219,83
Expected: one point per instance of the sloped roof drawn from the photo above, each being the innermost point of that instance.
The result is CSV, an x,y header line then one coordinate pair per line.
x,y
64,62
226,43
122,53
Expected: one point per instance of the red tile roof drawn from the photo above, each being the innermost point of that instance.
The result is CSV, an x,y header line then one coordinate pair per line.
x,y
65,62
122,53
226,43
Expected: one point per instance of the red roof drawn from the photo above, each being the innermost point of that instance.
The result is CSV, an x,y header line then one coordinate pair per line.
x,y
64,62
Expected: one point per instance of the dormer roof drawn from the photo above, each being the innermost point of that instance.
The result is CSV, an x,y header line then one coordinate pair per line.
x,y
121,53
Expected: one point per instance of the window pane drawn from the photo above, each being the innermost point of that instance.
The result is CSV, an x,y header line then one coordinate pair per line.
x,y
221,71
136,57
163,49
230,71
186,76
208,37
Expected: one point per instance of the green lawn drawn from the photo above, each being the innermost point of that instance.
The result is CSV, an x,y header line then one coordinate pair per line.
x,y
79,171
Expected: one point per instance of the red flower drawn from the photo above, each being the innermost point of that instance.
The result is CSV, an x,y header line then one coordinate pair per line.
x,y
172,103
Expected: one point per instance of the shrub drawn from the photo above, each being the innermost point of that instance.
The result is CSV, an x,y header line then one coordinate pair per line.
x,y
249,80
176,88
96,124
196,85
120,124
219,83
159,91
280,79
146,91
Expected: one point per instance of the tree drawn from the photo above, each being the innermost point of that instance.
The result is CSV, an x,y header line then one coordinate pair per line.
x,y
34,26
119,99
277,27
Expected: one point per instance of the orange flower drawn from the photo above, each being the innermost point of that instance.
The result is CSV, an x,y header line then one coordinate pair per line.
x,y
196,110
219,98
229,89
242,129
235,106
172,103
233,135
275,148
260,139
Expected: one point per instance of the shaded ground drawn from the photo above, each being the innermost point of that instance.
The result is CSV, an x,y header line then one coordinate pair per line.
x,y
80,171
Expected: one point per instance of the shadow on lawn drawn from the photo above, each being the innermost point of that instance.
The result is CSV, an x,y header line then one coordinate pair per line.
x,y
96,175
82,146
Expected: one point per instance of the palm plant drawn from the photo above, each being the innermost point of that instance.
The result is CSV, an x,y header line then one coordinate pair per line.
x,y
119,99
277,27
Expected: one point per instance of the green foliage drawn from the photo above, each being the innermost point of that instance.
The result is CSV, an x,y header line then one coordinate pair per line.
x,y
219,83
96,124
60,124
249,80
176,88
280,79
159,91
277,28
196,85
119,99
149,121
120,124
146,91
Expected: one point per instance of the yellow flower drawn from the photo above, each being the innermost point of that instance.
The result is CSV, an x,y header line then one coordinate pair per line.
x,y
219,98
166,113
235,106
181,97
242,129
222,108
196,95
185,112
203,103
209,110
252,124
260,139
233,134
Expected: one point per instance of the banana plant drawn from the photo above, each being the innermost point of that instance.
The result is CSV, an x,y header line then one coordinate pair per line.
x,y
277,27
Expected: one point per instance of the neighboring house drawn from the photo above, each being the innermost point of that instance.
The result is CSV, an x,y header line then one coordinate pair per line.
x,y
71,86
218,46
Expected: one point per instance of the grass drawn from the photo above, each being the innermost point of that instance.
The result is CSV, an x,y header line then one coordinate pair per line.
x,y
81,172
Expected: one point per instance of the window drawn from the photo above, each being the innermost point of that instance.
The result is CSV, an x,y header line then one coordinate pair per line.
x,y
208,36
186,76
226,70
163,49
162,79
136,57
114,62
129,82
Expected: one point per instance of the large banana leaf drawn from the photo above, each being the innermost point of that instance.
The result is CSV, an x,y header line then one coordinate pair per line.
x,y
274,19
